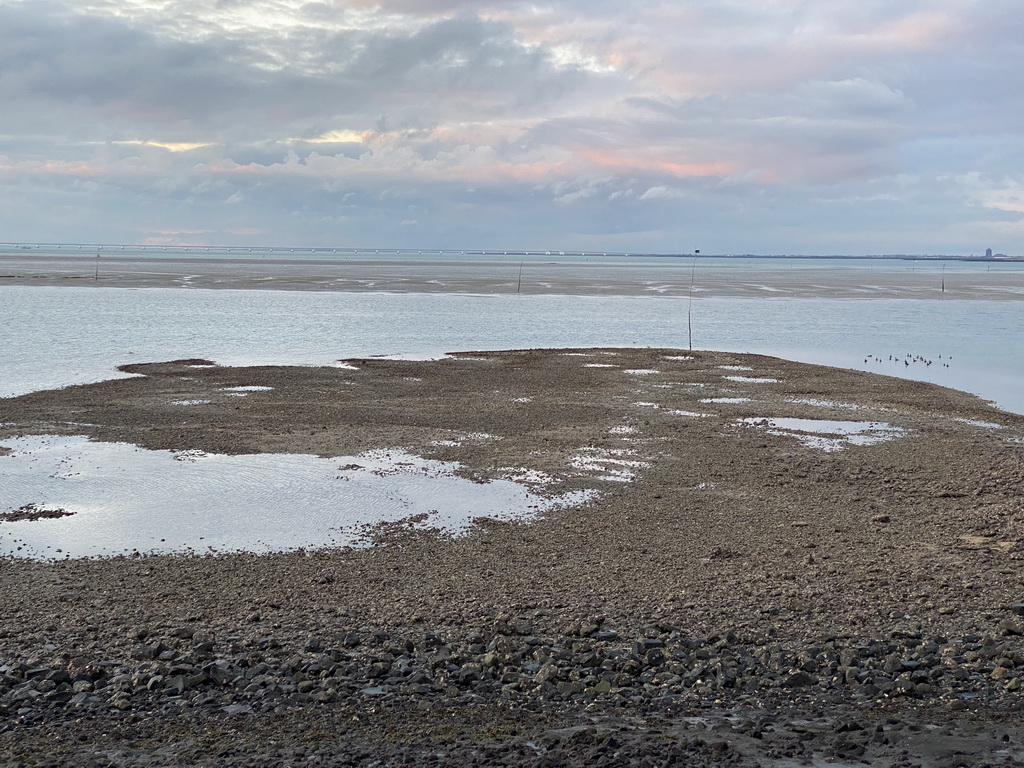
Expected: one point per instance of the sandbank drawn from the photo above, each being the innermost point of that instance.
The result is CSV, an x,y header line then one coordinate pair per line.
x,y
596,276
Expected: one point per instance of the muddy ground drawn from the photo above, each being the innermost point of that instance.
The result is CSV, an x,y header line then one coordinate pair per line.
x,y
736,594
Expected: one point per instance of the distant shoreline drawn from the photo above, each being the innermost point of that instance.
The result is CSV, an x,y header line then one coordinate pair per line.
x,y
819,277
367,251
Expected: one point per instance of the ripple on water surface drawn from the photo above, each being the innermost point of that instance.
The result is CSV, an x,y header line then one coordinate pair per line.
x,y
123,498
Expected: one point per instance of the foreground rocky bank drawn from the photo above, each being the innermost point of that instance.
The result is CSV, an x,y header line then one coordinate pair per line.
x,y
744,590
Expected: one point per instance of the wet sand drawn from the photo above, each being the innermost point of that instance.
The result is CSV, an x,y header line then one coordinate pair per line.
x,y
749,596
758,278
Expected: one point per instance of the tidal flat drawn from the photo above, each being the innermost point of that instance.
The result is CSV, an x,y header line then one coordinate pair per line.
x,y
746,583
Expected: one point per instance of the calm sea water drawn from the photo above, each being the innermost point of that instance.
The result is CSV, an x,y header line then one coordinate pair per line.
x,y
125,498
51,337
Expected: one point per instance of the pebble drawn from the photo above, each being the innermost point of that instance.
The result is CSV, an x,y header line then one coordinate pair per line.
x,y
552,670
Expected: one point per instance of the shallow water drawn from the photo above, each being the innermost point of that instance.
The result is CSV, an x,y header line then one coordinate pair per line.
x,y
124,498
51,337
827,435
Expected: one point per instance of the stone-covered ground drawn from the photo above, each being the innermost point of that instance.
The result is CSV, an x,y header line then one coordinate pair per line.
x,y
745,598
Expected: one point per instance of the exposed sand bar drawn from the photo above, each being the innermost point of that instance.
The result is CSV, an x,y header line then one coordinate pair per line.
x,y
597,276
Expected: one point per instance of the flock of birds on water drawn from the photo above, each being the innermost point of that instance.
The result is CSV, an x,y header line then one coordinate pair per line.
x,y
908,360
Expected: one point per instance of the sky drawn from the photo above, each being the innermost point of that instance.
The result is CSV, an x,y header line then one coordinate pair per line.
x,y
729,126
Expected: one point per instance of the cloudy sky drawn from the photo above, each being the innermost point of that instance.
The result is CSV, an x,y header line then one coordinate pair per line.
x,y
733,126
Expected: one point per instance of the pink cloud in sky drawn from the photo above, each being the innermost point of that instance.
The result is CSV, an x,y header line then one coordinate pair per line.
x,y
286,116
627,161
63,168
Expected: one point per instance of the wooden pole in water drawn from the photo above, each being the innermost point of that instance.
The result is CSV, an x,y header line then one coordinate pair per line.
x,y
97,275
520,283
689,303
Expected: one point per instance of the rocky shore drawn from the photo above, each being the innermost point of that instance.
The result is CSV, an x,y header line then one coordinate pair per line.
x,y
740,592
507,698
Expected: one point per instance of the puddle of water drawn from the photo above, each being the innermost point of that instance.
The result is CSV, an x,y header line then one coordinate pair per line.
x,y
751,379
608,464
531,477
124,498
725,400
641,371
522,399
735,367
460,440
824,403
677,357
418,357
623,429
645,404
977,423
249,388
691,414
599,365
826,435
190,402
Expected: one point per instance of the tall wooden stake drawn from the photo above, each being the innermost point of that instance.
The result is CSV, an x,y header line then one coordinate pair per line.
x,y
689,304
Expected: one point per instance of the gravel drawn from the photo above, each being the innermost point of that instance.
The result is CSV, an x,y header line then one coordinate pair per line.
x,y
746,599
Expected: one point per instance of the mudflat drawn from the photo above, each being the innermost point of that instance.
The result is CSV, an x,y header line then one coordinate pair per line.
x,y
821,278
748,586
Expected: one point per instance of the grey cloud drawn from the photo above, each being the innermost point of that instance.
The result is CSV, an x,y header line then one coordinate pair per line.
x,y
104,72
845,130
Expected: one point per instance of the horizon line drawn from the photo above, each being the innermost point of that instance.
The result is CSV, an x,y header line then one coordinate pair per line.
x,y
27,245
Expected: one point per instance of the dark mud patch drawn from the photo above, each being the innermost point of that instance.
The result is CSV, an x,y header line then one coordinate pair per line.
x,y
33,512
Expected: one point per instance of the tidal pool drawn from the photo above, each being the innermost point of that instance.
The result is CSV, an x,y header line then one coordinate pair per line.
x,y
828,435
117,498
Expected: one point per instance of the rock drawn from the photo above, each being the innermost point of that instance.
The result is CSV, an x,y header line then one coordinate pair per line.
x,y
1000,673
548,673
1010,627
567,688
522,627
799,680
351,640
847,726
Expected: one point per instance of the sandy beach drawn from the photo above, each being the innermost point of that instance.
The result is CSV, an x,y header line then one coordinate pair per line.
x,y
591,276
743,590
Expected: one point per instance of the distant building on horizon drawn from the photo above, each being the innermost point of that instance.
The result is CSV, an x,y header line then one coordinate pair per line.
x,y
988,253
